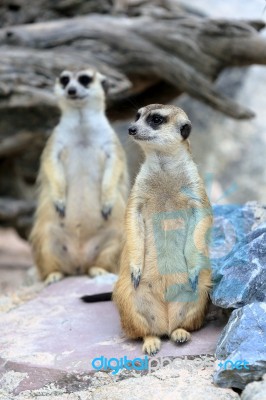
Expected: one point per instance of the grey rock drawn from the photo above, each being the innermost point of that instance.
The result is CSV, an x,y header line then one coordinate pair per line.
x,y
255,390
243,338
238,257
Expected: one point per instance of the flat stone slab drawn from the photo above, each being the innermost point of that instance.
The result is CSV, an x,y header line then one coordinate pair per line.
x,y
57,335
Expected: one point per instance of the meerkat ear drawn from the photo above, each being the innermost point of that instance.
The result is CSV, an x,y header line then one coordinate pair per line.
x,y
104,82
185,130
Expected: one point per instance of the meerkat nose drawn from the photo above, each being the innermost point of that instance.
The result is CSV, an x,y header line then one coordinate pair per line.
x,y
72,91
132,130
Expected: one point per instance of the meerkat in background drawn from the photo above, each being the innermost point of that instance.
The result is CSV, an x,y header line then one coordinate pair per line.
x,y
83,185
165,273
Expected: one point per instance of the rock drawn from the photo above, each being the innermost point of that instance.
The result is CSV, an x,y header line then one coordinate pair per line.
x,y
255,390
243,338
238,257
242,275
239,269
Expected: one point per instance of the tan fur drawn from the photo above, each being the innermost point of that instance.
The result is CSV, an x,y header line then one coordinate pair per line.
x,y
83,173
168,181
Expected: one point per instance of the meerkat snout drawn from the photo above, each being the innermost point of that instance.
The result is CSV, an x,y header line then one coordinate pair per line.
x,y
72,91
132,130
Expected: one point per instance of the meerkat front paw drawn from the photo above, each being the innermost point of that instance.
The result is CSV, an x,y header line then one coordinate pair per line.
x,y
135,274
96,271
180,336
53,277
60,208
151,345
106,210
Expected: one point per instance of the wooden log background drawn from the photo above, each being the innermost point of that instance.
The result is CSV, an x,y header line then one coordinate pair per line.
x,y
150,51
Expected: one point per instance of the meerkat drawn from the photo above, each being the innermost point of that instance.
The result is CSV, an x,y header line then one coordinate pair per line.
x,y
165,273
83,185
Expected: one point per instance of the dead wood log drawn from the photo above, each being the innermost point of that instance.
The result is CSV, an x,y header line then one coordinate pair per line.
x,y
17,12
18,214
187,51
11,146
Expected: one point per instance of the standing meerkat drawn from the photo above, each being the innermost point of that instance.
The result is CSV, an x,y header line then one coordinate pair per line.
x,y
83,185
165,273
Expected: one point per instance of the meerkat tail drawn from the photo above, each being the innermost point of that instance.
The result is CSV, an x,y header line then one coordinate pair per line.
x,y
94,298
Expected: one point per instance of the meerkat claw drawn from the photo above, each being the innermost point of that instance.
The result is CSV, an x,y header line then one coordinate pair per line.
x,y
135,279
151,345
60,208
54,277
106,211
96,271
180,336
193,282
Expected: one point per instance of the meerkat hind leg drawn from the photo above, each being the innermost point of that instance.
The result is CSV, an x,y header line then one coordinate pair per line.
x,y
54,277
107,260
180,336
151,345
96,271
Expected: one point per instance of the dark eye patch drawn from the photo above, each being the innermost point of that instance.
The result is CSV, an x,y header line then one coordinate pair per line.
x,y
64,80
137,117
85,80
155,120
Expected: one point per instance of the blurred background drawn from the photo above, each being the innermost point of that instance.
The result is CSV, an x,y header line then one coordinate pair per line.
x,y
206,57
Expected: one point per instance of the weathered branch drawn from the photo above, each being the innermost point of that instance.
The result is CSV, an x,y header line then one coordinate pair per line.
x,y
187,52
17,213
16,144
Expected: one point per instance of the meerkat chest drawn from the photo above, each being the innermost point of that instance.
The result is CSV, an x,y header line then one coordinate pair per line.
x,y
163,192
168,183
82,151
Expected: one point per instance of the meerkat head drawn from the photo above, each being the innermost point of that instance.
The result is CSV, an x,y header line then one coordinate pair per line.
x,y
160,127
79,89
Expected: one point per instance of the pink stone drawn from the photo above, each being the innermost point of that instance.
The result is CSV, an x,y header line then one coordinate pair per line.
x,y
56,334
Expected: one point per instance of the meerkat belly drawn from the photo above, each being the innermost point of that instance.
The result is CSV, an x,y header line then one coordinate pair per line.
x,y
165,269
80,235
84,175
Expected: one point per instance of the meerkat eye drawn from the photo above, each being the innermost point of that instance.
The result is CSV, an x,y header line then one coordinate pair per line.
x,y
64,80
157,119
137,117
84,80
